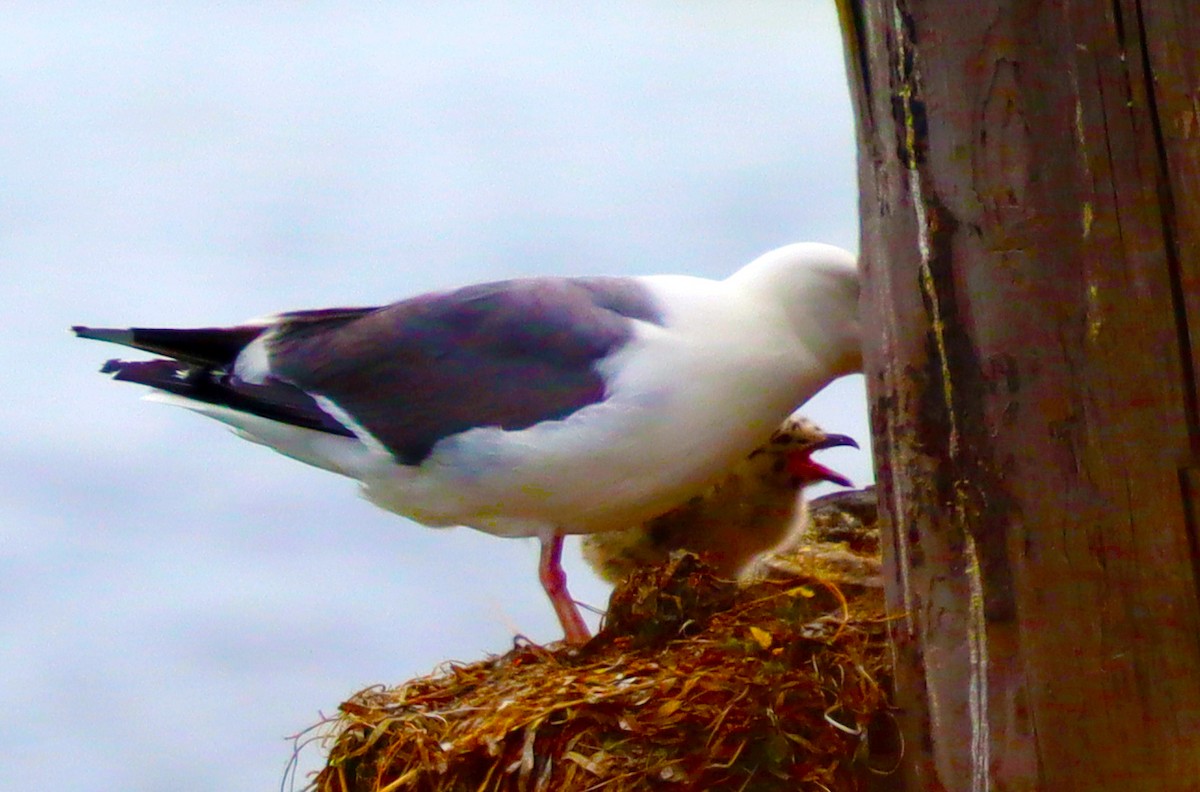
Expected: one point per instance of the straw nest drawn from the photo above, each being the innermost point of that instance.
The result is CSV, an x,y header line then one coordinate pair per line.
x,y
694,683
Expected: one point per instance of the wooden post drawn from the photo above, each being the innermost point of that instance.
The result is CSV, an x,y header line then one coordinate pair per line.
x,y
1030,197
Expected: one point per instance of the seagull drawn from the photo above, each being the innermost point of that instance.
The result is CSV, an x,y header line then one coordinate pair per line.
x,y
540,406
753,511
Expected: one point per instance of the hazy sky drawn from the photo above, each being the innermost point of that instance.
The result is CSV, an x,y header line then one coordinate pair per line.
x,y
174,601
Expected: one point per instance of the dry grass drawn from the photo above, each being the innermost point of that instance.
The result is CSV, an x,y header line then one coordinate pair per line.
x,y
694,683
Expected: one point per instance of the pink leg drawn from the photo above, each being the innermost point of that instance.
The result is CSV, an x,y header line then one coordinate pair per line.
x,y
554,581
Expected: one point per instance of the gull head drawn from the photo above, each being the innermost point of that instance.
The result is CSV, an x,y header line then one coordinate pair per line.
x,y
816,287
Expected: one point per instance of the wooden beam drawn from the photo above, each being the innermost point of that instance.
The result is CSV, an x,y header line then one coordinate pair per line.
x,y
1030,200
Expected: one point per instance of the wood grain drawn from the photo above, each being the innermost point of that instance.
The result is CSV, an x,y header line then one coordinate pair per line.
x,y
1030,199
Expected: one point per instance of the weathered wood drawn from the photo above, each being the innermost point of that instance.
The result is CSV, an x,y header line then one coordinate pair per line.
x,y
1030,198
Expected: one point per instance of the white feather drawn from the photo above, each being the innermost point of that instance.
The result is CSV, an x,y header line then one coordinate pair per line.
x,y
335,453
253,363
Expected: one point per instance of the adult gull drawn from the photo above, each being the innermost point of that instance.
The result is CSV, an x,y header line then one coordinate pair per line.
x,y
532,407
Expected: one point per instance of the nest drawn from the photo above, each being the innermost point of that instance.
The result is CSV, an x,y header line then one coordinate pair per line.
x,y
694,683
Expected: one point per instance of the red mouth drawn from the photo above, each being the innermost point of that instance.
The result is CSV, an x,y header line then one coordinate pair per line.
x,y
802,465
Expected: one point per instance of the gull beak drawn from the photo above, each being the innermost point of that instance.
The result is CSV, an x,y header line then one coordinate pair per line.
x,y
832,441
802,465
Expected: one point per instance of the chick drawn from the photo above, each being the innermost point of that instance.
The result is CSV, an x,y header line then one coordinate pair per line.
x,y
756,509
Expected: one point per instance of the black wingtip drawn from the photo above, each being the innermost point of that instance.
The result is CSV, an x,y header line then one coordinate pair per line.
x,y
113,335
275,401
215,347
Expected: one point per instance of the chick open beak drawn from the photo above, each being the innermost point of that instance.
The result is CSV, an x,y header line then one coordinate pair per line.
x,y
802,465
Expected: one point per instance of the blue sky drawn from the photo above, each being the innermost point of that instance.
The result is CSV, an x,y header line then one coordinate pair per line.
x,y
174,601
